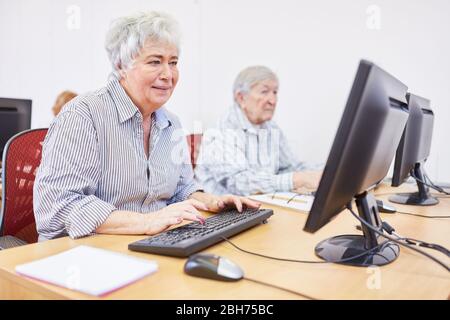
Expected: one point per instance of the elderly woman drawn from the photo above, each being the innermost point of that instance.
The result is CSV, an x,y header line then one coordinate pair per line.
x,y
248,153
107,164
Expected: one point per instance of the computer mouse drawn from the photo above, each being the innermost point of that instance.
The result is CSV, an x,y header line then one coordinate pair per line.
x,y
211,266
385,208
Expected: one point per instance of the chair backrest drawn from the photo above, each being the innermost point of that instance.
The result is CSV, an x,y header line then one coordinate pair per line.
x,y
21,159
194,142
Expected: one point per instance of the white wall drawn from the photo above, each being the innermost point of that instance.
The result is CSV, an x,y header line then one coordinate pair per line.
x,y
314,46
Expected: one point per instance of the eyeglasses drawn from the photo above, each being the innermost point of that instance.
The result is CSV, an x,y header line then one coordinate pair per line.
x,y
288,200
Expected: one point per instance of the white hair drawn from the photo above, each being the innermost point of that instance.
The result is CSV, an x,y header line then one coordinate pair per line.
x,y
249,77
127,36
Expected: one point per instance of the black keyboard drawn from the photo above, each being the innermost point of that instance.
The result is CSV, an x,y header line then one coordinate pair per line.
x,y
193,237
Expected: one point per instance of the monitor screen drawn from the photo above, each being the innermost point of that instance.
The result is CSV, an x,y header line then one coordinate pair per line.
x,y
365,143
15,116
413,151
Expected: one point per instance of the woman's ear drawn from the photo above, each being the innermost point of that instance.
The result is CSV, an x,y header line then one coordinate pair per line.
x,y
122,73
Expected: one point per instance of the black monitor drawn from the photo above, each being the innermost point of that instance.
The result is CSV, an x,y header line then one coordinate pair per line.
x,y
15,116
413,151
362,151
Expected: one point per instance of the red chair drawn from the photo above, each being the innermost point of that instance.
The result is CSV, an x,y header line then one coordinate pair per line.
x,y
194,142
21,158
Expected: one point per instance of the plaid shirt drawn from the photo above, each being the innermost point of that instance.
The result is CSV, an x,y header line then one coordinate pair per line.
x,y
241,158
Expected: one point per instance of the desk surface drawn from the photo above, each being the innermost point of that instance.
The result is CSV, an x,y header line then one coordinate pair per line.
x,y
411,276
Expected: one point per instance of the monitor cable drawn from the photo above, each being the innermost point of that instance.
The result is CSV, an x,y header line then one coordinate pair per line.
x,y
398,238
430,185
386,227
427,178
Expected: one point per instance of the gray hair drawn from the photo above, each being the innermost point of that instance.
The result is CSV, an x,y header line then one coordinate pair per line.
x,y
250,76
127,36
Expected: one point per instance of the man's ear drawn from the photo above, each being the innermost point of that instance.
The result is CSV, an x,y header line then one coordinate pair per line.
x,y
240,98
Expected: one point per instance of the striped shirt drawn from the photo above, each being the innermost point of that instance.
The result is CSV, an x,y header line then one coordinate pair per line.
x,y
94,163
241,158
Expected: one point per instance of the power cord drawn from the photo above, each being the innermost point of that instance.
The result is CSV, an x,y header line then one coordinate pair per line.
x,y
280,288
305,261
386,227
422,215
390,229
427,178
432,186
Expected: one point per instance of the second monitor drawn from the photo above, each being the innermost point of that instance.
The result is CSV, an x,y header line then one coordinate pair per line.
x,y
413,151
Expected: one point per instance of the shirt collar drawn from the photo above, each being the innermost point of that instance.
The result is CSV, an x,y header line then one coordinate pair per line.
x,y
127,109
245,123
161,118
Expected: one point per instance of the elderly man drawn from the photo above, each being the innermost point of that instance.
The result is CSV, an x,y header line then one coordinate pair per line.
x,y
248,153
107,163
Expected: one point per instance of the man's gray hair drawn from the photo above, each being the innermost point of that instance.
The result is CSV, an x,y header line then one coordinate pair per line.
x,y
250,76
127,36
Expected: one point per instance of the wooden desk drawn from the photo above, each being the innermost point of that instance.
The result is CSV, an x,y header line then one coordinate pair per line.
x,y
411,276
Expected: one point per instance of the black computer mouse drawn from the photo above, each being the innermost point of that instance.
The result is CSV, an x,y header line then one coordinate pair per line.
x,y
385,208
211,266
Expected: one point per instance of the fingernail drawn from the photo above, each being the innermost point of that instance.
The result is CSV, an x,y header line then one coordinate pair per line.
x,y
201,219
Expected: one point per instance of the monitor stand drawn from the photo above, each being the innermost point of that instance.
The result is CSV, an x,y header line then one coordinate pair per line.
x,y
421,198
345,246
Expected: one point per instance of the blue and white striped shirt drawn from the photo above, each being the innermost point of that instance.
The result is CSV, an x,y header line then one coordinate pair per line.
x,y
241,158
94,163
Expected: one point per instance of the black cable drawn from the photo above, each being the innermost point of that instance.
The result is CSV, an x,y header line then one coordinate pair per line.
x,y
434,185
368,225
280,288
437,188
424,244
389,229
305,261
423,216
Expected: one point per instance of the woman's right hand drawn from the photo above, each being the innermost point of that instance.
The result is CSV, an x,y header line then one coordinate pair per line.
x,y
174,214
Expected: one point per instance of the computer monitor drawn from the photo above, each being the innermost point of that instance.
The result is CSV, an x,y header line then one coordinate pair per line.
x,y
15,116
413,151
363,148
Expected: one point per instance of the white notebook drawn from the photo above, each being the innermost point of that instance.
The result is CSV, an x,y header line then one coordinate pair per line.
x,y
286,200
90,270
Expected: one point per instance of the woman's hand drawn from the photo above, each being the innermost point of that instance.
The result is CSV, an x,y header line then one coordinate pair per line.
x,y
174,214
216,203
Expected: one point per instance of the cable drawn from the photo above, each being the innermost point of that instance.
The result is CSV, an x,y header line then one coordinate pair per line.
x,y
423,216
424,244
305,261
432,186
280,288
368,225
386,227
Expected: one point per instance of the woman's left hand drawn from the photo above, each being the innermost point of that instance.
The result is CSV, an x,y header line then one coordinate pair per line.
x,y
219,203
